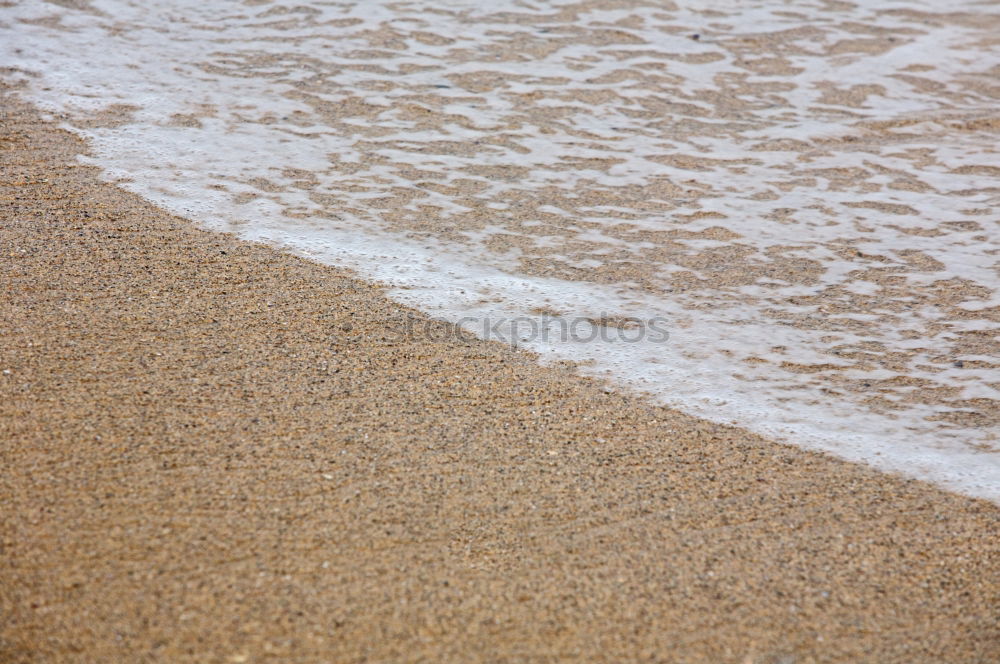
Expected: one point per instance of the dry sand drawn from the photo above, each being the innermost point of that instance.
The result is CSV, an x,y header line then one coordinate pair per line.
x,y
200,464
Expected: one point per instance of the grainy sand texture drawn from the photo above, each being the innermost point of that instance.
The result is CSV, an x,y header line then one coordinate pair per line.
x,y
212,451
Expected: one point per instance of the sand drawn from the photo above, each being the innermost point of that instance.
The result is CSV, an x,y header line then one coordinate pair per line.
x,y
212,451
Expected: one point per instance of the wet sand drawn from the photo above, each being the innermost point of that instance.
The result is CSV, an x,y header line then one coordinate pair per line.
x,y
216,452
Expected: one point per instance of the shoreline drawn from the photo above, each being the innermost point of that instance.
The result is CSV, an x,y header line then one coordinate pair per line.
x,y
197,467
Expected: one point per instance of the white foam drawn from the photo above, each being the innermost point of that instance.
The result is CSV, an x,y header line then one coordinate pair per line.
x,y
606,124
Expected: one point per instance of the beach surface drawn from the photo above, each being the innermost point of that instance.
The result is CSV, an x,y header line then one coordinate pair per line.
x,y
214,451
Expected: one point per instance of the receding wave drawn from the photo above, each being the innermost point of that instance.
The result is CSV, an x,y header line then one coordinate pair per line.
x,y
808,193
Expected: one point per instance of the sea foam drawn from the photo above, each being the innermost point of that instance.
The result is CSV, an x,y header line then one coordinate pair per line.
x,y
808,193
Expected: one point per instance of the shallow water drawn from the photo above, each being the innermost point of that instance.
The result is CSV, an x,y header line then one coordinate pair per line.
x,y
808,194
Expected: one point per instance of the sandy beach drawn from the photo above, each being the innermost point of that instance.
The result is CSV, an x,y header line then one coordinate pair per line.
x,y
213,451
